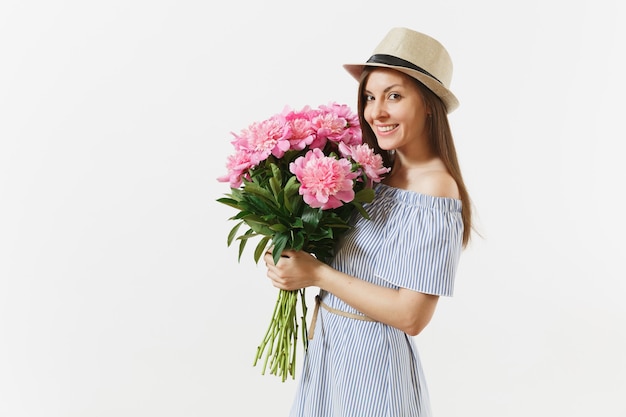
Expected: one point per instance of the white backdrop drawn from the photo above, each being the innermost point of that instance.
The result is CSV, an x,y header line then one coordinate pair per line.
x,y
118,295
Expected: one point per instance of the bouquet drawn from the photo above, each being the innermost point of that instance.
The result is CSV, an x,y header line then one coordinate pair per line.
x,y
295,180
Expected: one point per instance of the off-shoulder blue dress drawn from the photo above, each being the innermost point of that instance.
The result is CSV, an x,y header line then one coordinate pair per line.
x,y
360,368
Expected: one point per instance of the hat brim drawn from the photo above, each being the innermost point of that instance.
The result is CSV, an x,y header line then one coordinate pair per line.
x,y
448,98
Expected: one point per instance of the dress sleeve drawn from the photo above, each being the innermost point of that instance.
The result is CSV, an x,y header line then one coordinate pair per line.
x,y
422,251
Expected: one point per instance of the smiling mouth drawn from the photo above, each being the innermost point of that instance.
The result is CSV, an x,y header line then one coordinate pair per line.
x,y
385,129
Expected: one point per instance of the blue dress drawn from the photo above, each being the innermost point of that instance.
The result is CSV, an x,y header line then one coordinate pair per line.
x,y
359,368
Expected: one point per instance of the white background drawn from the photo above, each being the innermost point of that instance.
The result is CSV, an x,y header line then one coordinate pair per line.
x,y
118,294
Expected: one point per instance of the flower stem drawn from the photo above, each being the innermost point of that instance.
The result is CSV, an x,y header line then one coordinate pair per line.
x,y
279,344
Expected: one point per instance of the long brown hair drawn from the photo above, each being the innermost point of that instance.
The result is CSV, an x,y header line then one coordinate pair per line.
x,y
440,136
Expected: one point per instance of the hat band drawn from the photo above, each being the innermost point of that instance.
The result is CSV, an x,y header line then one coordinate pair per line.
x,y
398,62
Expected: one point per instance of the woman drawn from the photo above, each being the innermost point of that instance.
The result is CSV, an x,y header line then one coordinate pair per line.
x,y
382,286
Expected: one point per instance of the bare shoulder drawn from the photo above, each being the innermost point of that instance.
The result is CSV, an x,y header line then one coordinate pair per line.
x,y
437,183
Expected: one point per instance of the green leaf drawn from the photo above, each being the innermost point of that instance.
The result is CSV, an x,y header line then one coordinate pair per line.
x,y
298,241
292,186
279,227
276,172
361,210
259,205
241,215
260,228
280,242
311,218
338,225
229,202
242,243
276,179
255,189
233,233
276,188
291,190
251,217
366,195
248,235
321,234
236,194
260,248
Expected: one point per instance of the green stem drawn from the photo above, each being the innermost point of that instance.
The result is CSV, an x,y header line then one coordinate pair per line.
x,y
279,344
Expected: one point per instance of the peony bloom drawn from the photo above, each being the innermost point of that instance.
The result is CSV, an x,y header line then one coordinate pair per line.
x,y
299,129
339,124
263,139
237,165
371,163
326,182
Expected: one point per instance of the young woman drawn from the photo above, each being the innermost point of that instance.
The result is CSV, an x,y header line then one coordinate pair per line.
x,y
382,286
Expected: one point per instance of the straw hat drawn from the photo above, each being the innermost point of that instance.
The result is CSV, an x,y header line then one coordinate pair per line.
x,y
417,55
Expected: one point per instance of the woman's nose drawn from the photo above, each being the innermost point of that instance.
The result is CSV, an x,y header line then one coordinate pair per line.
x,y
379,110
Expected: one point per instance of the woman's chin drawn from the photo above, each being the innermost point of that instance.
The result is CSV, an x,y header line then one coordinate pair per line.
x,y
386,146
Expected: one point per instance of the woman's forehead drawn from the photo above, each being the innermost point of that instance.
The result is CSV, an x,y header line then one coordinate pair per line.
x,y
386,76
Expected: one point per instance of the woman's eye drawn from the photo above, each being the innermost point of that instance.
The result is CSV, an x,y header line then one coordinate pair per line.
x,y
394,96
369,97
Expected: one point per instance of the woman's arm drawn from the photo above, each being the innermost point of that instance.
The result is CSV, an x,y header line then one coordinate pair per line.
x,y
406,310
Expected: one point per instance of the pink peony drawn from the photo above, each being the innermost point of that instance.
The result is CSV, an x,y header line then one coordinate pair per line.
x,y
299,130
371,163
237,165
326,182
338,123
263,139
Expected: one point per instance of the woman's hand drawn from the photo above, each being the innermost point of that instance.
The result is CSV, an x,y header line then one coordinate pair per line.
x,y
295,270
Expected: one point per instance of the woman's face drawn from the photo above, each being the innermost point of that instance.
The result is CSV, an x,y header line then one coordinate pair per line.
x,y
395,110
